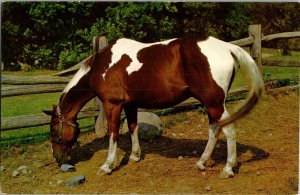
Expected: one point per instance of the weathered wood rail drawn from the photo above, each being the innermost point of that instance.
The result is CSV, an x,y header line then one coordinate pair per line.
x,y
24,85
250,40
283,63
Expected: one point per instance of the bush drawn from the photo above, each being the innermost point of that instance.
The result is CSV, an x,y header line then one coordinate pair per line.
x,y
70,57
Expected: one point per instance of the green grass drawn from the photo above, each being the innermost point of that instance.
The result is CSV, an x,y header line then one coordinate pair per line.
x,y
270,72
30,73
28,104
282,72
33,104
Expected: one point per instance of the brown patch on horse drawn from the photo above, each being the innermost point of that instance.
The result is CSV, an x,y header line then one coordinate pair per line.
x,y
166,86
76,98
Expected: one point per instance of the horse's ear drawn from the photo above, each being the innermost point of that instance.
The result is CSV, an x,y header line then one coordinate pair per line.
x,y
51,112
54,107
48,112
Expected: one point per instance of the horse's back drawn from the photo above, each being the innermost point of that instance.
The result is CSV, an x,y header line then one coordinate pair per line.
x,y
164,73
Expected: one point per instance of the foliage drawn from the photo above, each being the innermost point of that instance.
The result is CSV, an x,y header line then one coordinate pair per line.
x,y
140,21
56,35
228,21
72,56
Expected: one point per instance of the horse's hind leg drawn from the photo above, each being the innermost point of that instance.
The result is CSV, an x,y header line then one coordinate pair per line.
x,y
131,114
230,134
217,113
213,132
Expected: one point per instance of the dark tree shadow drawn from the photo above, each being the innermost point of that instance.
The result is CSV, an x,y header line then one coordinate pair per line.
x,y
168,147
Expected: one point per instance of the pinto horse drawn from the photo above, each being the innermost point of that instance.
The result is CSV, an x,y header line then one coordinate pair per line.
x,y
129,75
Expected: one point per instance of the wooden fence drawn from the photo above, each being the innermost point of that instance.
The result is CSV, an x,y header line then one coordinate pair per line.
x,y
25,85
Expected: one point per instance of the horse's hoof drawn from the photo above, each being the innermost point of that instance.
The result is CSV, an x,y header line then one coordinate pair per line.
x,y
200,165
104,170
226,174
135,158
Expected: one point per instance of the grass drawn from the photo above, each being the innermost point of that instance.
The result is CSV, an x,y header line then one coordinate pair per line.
x,y
270,72
30,73
32,104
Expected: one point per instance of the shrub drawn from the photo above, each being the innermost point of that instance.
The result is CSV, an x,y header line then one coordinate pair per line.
x,y
70,57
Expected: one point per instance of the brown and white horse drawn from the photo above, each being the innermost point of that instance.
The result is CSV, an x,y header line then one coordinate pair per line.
x,y
129,75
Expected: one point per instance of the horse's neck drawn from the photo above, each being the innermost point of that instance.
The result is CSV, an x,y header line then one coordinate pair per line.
x,y
73,101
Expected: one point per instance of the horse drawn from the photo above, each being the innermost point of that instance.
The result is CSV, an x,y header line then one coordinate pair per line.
x,y
129,75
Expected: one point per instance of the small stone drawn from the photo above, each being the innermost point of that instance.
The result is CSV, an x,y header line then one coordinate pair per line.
x,y
203,173
15,173
180,157
75,181
67,168
194,152
199,133
173,134
207,188
181,134
258,173
23,167
2,169
270,134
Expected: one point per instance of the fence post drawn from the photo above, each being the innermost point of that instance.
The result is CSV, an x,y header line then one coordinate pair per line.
x,y
255,49
100,122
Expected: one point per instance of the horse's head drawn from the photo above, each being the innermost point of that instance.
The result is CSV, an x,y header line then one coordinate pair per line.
x,y
63,135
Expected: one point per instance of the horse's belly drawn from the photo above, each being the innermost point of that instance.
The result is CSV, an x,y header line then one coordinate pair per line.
x,y
158,97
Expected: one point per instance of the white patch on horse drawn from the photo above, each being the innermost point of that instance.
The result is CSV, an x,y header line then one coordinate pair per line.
x,y
111,157
230,134
220,60
130,48
136,149
80,73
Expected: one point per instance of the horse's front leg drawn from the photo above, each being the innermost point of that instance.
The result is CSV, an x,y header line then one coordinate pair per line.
x,y
131,114
113,113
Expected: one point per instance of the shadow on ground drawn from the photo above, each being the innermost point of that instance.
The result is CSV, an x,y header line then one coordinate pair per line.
x,y
170,148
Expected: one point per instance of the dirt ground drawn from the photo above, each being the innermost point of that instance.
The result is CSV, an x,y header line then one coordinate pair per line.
x,y
268,151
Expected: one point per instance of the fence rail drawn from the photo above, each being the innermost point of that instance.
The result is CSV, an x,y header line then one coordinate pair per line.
x,y
24,85
250,40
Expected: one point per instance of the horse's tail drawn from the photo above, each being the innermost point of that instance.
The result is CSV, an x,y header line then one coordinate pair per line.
x,y
253,76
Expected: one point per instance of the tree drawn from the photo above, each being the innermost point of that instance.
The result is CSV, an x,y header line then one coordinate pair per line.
x,y
140,21
227,21
42,33
12,40
279,17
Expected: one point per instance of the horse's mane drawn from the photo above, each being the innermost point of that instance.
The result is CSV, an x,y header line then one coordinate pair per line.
x,y
90,60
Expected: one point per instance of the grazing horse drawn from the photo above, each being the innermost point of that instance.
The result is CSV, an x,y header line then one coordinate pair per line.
x,y
129,75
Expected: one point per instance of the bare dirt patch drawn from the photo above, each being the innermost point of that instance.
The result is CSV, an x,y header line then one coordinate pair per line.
x,y
268,149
